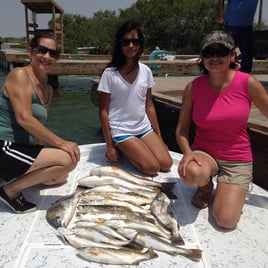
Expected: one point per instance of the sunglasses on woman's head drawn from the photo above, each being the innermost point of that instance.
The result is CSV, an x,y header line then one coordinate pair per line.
x,y
210,52
43,50
135,42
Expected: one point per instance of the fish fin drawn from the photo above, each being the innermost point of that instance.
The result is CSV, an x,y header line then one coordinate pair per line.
x,y
151,220
133,245
100,220
178,240
63,232
152,253
81,189
156,190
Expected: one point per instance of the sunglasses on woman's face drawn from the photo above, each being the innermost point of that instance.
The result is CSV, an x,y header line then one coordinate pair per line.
x,y
44,50
135,42
218,52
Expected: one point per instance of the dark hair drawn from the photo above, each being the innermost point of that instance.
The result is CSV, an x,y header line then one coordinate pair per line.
x,y
118,59
202,68
36,39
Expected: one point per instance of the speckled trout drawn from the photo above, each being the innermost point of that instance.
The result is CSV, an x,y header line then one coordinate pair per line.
x,y
123,256
101,214
93,181
120,173
140,226
120,189
79,242
96,235
114,203
131,197
164,214
150,240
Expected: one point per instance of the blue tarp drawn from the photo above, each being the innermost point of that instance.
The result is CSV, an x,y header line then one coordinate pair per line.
x,y
153,56
155,53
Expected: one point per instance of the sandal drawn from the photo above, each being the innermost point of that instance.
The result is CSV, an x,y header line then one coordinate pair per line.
x,y
202,196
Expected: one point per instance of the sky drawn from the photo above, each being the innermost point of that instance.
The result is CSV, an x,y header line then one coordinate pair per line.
x,y
12,19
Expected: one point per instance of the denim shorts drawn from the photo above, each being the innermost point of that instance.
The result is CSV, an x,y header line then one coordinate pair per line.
x,y
122,138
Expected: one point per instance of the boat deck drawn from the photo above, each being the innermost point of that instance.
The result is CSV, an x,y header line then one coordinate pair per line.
x,y
27,240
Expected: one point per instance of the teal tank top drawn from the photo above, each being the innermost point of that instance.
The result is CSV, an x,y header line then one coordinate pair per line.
x,y
10,130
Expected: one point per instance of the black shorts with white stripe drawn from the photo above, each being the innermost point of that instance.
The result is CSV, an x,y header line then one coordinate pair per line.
x,y
16,159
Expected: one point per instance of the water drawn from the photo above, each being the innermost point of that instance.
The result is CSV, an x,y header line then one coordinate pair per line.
x,y
71,114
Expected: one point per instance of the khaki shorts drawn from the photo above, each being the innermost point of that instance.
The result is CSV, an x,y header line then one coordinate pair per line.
x,y
233,172
236,173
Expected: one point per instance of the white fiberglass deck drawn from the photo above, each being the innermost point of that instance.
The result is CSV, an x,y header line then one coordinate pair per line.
x,y
29,241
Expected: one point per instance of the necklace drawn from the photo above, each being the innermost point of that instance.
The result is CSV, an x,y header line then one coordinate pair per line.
x,y
129,68
129,72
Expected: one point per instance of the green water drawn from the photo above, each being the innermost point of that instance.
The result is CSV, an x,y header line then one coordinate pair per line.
x,y
71,114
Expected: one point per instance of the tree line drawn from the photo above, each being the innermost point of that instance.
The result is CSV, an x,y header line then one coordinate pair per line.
x,y
173,25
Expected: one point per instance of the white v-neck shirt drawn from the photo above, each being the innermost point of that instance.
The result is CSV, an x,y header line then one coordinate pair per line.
x,y
127,115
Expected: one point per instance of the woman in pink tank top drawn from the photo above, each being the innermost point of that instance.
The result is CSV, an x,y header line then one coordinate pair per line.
x,y
218,102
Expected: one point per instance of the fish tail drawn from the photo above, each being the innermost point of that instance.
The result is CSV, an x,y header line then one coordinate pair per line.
x,y
194,254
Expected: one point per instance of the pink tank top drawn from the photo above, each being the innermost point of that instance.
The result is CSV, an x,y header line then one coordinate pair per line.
x,y
221,119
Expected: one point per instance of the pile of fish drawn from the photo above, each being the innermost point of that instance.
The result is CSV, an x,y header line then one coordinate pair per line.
x,y
117,218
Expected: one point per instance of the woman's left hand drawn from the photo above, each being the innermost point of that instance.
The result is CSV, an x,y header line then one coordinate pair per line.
x,y
71,148
186,159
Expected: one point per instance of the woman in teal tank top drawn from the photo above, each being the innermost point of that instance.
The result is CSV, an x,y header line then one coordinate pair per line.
x,y
25,160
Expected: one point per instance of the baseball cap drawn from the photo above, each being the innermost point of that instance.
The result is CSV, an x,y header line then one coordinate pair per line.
x,y
218,37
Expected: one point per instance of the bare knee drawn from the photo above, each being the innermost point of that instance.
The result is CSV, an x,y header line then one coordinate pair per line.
x,y
225,220
70,166
63,172
193,176
63,168
166,165
150,169
154,166
67,164
228,205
